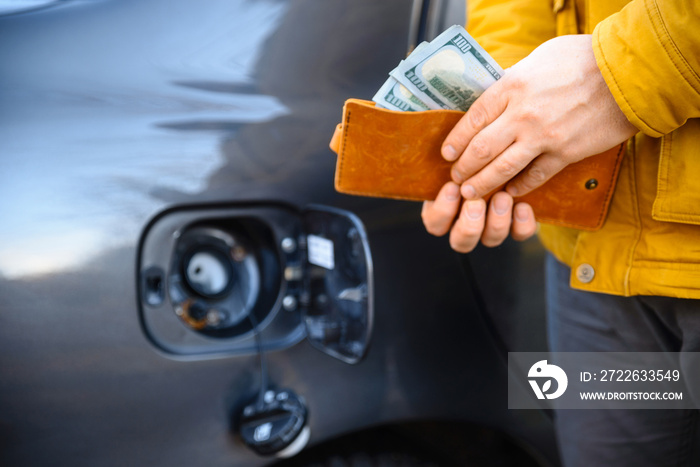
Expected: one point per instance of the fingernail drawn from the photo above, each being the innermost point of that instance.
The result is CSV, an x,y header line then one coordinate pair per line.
x,y
521,213
457,176
475,208
449,152
501,205
468,192
512,190
452,192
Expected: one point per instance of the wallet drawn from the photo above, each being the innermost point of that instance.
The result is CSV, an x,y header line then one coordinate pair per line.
x,y
391,154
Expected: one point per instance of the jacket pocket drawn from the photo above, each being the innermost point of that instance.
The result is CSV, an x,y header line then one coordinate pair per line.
x,y
678,185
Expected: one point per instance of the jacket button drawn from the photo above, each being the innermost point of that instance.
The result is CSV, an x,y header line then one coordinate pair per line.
x,y
585,273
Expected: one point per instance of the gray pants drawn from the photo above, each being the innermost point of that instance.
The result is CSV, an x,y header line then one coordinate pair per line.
x,y
591,322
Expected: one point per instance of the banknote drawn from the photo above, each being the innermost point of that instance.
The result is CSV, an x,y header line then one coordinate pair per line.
x,y
450,72
393,95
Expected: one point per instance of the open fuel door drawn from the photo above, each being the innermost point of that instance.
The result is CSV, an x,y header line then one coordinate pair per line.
x,y
337,302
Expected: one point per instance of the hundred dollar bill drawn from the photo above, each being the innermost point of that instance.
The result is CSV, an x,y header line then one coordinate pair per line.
x,y
450,72
395,96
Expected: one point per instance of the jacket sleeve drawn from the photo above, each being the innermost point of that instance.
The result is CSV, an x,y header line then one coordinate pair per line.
x,y
510,29
649,54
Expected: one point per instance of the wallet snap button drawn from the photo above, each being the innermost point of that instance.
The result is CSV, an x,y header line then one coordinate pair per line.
x,y
591,184
585,273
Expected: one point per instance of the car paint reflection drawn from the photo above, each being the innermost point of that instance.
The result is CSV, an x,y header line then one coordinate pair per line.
x,y
89,126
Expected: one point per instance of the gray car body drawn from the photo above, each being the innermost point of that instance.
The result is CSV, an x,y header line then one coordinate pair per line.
x,y
112,112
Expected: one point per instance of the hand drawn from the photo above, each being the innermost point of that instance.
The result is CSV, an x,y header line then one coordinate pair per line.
x,y
549,110
474,222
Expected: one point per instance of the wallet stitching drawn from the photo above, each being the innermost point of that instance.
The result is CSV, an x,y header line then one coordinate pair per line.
x,y
342,152
388,195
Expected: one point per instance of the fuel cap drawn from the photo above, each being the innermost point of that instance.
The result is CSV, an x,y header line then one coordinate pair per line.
x,y
278,427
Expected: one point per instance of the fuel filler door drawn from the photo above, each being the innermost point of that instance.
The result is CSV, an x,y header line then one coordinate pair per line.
x,y
213,278
337,305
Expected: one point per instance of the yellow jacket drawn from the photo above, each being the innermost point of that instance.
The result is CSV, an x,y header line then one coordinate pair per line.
x,y
649,54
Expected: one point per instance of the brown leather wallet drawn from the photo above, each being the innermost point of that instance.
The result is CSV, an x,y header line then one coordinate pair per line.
x,y
390,154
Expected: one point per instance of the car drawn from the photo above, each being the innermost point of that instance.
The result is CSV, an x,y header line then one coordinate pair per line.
x,y
182,285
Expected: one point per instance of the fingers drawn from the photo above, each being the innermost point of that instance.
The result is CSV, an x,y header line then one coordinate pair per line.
x,y
498,222
501,170
467,230
491,225
476,222
524,224
484,111
483,149
541,169
439,215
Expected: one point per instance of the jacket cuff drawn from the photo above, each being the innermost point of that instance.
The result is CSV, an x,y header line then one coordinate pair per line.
x,y
644,69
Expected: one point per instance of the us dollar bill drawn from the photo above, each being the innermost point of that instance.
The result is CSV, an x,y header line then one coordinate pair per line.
x,y
393,95
450,72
